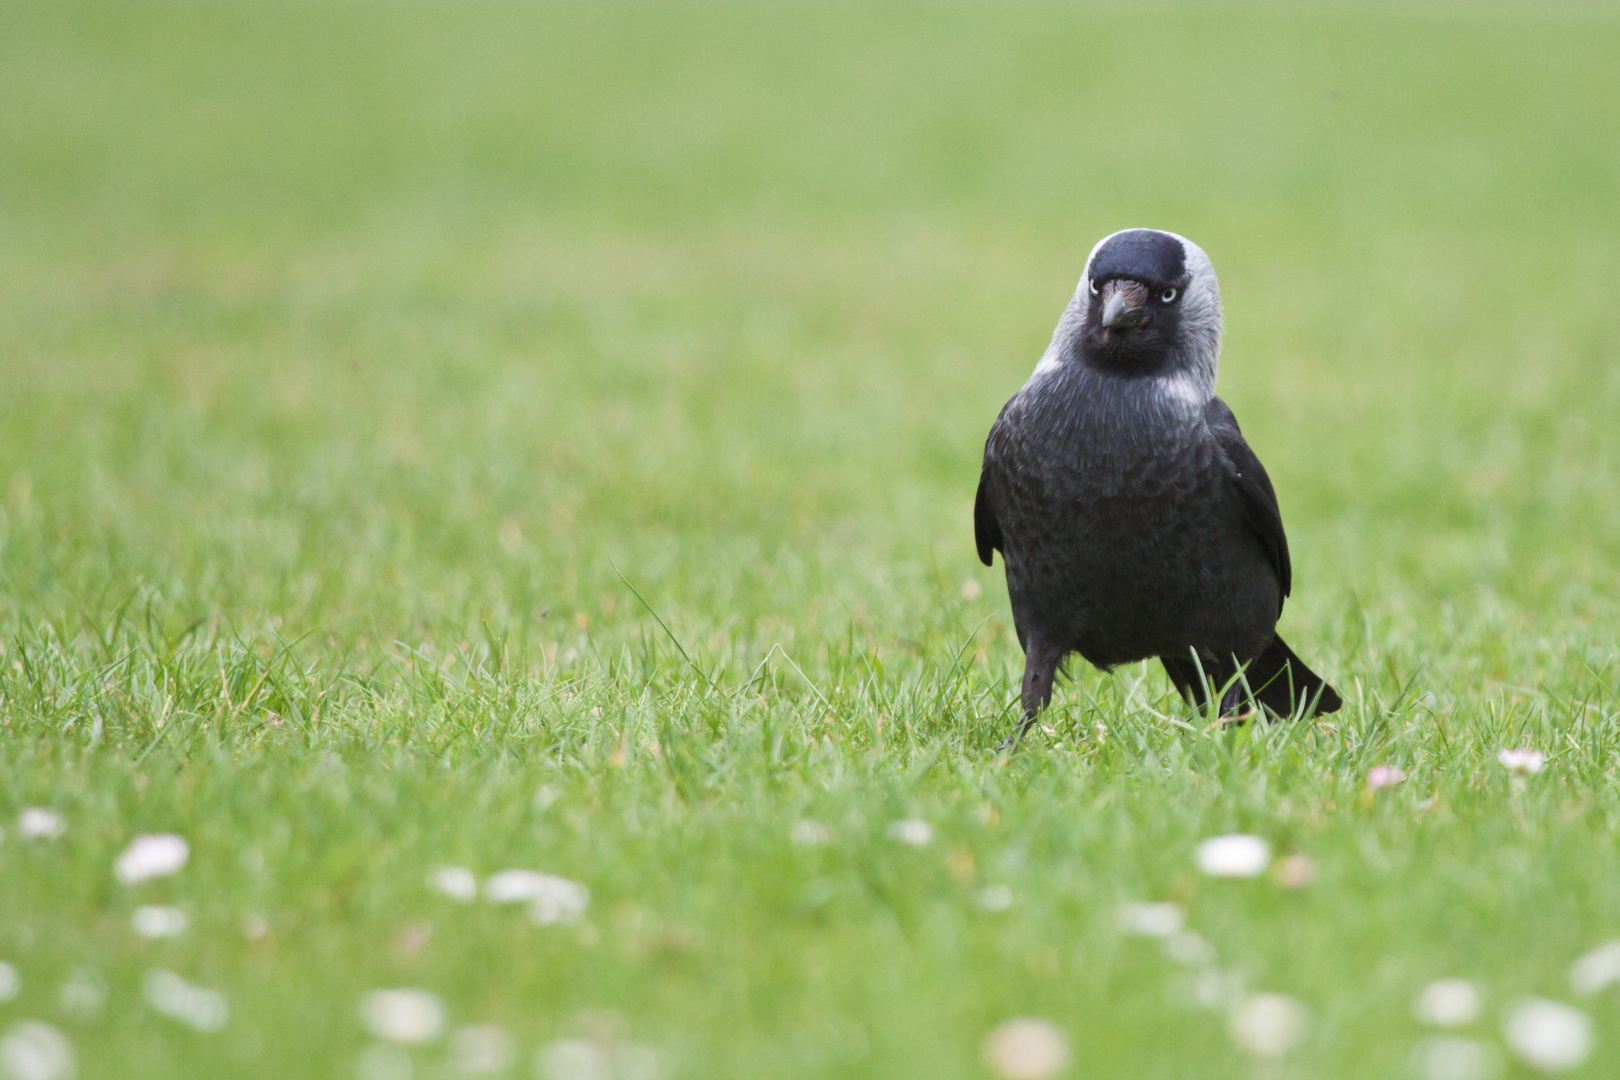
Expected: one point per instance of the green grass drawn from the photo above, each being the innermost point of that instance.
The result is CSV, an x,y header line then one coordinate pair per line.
x,y
348,348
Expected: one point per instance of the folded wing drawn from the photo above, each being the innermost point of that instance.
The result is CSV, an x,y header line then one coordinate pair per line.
x,y
1248,480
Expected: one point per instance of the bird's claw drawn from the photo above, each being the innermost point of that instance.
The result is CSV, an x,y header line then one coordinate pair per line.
x,y
1010,746
1231,720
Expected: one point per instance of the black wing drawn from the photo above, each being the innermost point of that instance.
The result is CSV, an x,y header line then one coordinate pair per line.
x,y
1248,478
986,529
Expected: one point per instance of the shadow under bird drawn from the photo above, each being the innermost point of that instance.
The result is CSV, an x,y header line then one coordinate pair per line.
x,y
1132,518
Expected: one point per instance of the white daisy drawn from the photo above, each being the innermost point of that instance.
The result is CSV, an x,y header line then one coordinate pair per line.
x,y
383,1061
913,831
1548,1035
1149,920
1268,1025
481,1049
1447,1003
811,834
1237,855
151,921
574,1059
403,1016
456,882
1026,1049
1455,1059
152,856
34,1050
1596,970
1383,776
84,994
174,997
38,823
1189,949
1522,761
994,898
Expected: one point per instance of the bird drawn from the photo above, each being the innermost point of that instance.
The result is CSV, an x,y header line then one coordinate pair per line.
x,y
1132,517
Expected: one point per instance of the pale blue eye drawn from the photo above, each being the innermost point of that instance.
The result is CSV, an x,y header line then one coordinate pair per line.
x,y
1168,296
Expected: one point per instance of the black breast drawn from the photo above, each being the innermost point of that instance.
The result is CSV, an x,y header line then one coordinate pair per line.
x,y
1120,537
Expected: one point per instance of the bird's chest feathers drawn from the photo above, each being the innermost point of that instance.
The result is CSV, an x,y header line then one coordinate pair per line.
x,y
1145,439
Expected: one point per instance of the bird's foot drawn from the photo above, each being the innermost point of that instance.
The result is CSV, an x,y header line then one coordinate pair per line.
x,y
1010,746
1231,720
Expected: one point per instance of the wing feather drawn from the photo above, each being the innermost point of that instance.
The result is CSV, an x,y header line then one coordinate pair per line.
x,y
1249,481
986,529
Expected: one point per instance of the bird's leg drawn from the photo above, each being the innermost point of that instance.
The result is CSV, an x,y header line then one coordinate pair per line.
x,y
1040,668
1234,704
1200,677
1236,709
1188,680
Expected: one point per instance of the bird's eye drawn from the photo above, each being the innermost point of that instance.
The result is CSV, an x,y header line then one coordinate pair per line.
x,y
1168,296
1093,286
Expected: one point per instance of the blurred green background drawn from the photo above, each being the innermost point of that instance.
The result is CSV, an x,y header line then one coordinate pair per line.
x,y
347,348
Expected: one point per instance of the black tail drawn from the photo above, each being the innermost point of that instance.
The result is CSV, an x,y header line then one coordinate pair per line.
x,y
1278,679
1282,683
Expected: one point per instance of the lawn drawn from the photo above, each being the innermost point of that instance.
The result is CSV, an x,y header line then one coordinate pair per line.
x,y
543,437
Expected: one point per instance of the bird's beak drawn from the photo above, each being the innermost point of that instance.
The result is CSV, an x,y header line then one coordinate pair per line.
x,y
1124,304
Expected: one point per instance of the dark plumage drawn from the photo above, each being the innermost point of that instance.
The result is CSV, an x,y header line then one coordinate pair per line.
x,y
1133,519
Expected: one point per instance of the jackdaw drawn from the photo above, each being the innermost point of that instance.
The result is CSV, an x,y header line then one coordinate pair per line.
x,y
1132,518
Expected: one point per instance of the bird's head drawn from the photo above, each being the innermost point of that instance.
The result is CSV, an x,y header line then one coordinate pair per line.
x,y
1149,305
